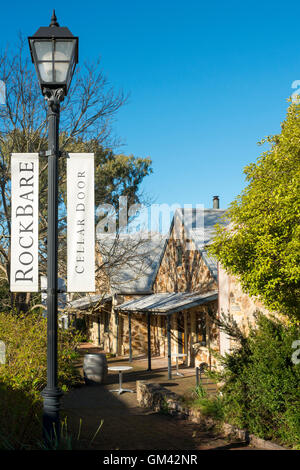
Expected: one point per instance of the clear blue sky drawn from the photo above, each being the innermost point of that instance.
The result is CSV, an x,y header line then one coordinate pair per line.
x,y
207,80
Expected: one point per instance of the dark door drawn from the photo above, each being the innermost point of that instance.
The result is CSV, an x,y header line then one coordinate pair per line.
x,y
180,326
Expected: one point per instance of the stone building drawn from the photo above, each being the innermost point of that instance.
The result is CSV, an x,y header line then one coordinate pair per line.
x,y
175,292
185,288
165,295
241,307
127,269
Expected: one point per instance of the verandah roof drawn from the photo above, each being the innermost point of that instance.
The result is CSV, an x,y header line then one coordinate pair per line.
x,y
88,301
167,303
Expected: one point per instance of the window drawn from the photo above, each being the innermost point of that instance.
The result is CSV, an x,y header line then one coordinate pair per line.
x,y
106,322
178,255
201,328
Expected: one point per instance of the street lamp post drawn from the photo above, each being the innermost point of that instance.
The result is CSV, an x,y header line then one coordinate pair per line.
x,y
54,52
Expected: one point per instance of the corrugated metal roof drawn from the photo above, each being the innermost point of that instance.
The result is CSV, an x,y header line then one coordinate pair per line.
x,y
167,303
85,302
200,224
200,228
131,262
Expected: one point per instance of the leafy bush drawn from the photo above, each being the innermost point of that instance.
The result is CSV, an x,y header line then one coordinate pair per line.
x,y
261,390
25,338
24,375
81,326
20,419
209,405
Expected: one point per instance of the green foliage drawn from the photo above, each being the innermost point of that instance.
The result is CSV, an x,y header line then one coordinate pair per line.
x,y
20,419
209,405
164,406
261,390
262,246
81,326
23,376
5,303
68,440
25,338
115,174
200,391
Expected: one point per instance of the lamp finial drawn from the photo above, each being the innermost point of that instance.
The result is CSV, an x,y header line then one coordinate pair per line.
x,y
54,20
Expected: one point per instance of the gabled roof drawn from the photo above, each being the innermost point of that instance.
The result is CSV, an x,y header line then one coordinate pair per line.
x,y
167,303
85,302
131,261
199,225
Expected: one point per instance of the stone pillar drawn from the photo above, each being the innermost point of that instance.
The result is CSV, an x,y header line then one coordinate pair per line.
x,y
208,336
129,337
163,338
174,336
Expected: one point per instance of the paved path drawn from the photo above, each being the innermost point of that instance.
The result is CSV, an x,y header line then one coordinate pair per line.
x,y
128,427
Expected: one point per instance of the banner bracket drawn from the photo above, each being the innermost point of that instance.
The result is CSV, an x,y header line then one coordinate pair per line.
x,y
49,153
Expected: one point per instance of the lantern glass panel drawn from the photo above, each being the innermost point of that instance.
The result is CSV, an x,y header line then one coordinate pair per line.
x,y
55,59
43,50
61,71
46,71
63,50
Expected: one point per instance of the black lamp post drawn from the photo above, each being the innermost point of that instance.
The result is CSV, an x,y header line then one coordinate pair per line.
x,y
54,52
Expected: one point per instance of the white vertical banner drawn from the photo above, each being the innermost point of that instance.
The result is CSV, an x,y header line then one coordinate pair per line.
x,y
80,223
24,222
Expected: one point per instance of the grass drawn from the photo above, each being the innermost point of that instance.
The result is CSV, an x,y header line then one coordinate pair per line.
x,y
208,405
67,441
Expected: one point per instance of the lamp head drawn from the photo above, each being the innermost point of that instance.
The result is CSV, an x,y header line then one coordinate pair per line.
x,y
54,52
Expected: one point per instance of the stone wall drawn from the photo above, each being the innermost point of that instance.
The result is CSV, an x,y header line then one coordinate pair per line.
x,y
191,275
139,334
233,300
115,337
204,354
102,330
160,399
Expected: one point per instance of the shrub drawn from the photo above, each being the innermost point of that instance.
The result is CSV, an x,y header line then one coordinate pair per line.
x,y
24,375
20,419
209,405
25,338
81,326
261,383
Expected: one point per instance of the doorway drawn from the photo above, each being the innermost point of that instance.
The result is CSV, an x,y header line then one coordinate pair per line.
x,y
181,333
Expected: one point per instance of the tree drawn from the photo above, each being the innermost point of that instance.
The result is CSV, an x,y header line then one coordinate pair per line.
x,y
86,117
261,246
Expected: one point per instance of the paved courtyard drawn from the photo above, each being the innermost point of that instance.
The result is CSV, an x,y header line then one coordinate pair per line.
x,y
158,373
126,426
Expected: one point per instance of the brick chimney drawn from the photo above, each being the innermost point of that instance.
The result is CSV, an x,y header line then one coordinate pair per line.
x,y
216,202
